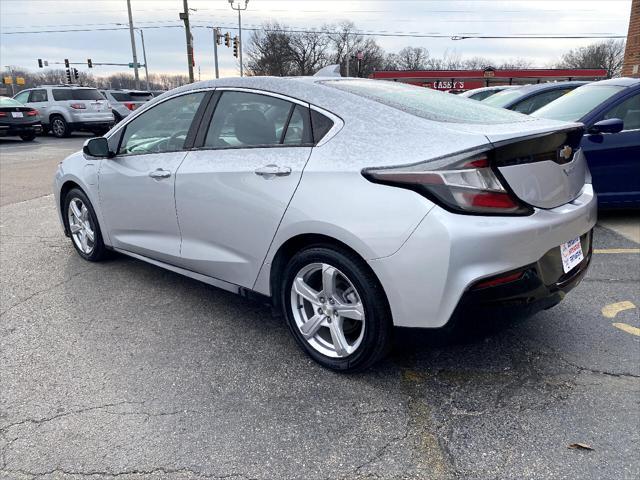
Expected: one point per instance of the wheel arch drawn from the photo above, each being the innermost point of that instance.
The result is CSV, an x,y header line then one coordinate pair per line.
x,y
66,187
299,242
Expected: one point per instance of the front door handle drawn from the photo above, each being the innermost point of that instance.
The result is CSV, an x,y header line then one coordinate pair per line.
x,y
272,170
159,173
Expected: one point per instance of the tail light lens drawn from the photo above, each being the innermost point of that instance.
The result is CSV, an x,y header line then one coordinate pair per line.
x,y
78,106
32,113
130,106
461,183
3,114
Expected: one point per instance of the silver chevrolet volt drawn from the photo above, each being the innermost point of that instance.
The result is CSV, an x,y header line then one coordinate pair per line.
x,y
354,205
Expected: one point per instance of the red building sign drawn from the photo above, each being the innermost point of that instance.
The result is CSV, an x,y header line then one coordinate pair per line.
x,y
460,80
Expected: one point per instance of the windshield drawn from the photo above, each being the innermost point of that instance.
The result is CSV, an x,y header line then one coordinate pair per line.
x,y
132,96
503,98
426,103
9,102
76,94
577,103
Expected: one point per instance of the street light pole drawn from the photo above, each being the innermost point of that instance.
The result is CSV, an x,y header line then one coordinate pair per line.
x,y
216,36
239,8
144,56
133,46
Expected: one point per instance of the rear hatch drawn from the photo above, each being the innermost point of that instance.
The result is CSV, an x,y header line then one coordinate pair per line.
x,y
132,100
540,161
18,114
84,100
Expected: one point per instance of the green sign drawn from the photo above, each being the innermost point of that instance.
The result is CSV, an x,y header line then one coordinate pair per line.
x,y
134,65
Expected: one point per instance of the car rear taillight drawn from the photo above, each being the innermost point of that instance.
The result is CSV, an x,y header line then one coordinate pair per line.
x,y
130,106
32,113
78,106
463,183
3,114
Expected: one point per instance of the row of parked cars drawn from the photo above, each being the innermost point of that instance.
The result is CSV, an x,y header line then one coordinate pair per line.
x,y
610,111
62,109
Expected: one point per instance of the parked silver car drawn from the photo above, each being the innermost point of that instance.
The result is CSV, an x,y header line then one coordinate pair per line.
x,y
65,108
123,102
354,204
485,92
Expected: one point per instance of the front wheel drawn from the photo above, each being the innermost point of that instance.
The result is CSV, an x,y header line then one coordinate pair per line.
x,y
82,224
336,308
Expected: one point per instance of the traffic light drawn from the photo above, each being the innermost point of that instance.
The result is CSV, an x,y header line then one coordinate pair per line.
x,y
89,63
68,76
236,44
227,39
76,74
40,64
66,63
218,37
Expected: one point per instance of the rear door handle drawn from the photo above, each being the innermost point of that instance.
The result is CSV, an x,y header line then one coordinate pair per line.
x,y
159,173
272,170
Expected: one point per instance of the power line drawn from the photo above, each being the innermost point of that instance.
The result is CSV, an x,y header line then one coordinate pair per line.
x,y
457,36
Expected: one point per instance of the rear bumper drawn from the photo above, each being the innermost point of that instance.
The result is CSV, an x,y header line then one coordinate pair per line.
x,y
19,129
448,254
538,286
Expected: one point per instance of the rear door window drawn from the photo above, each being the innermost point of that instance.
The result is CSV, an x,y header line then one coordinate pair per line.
x,y
39,95
244,119
131,96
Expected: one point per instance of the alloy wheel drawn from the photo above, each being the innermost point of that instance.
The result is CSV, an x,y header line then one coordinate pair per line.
x,y
58,127
81,226
328,310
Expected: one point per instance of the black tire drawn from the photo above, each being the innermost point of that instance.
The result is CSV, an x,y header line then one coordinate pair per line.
x,y
99,251
28,137
59,127
378,325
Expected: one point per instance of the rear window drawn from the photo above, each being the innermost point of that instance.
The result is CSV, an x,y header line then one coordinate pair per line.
x,y
426,103
9,102
502,98
76,94
577,103
132,96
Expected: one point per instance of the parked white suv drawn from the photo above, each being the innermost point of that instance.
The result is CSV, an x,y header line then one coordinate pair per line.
x,y
65,108
123,102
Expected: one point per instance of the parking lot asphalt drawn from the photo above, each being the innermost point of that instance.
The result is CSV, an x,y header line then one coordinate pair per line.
x,y
121,369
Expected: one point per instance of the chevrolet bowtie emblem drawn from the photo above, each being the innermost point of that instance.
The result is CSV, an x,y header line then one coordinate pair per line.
x,y
565,152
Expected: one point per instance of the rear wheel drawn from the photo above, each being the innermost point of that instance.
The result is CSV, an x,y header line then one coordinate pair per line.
x,y
28,137
82,224
59,127
336,308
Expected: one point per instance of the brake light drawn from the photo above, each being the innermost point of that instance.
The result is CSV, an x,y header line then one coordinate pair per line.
x,y
3,114
130,106
463,183
78,106
32,113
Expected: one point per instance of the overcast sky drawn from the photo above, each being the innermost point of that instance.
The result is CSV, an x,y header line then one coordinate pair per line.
x,y
166,46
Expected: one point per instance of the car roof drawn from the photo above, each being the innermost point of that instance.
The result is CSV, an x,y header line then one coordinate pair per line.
x,y
619,82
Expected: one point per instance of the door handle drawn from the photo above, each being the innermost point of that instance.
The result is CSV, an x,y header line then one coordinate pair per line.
x,y
272,170
159,173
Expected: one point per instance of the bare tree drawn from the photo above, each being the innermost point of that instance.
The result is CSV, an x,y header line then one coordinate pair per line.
x,y
309,52
269,51
608,55
412,58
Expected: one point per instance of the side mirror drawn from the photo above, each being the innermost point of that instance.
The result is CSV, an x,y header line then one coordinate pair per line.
x,y
97,147
610,125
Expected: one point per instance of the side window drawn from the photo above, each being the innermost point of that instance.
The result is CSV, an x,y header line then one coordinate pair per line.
x,y
532,104
627,111
299,127
163,128
38,96
243,119
320,124
22,97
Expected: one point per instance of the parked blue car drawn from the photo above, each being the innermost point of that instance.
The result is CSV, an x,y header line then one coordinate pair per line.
x,y
610,111
529,98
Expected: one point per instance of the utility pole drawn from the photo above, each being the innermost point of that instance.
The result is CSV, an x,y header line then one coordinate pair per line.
x,y
239,8
216,40
133,46
185,17
144,56
347,49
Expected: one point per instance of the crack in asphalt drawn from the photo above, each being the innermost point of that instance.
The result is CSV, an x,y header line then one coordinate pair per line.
x,y
136,472
44,290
